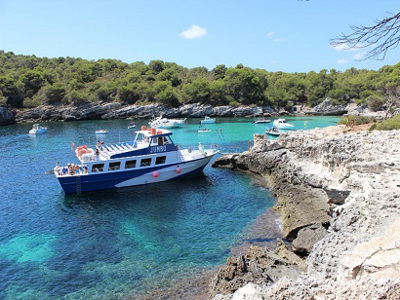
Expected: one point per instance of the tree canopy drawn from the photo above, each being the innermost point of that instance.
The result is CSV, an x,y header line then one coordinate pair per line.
x,y
28,81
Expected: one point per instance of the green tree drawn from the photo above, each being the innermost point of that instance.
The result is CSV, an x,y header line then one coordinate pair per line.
x,y
197,91
10,91
219,72
32,82
168,97
156,66
52,94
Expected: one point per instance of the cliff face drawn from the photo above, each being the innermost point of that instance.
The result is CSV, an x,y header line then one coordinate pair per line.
x,y
339,198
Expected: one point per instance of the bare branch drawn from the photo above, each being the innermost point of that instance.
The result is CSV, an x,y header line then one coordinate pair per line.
x,y
383,36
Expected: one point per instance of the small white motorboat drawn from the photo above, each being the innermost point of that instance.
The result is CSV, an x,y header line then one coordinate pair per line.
x,y
37,129
273,131
131,125
161,122
262,121
207,120
102,131
282,124
204,130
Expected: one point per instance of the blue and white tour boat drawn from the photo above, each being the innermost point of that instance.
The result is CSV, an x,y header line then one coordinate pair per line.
x,y
151,157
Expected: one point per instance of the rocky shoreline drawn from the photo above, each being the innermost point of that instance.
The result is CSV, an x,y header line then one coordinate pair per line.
x,y
108,111
338,194
114,110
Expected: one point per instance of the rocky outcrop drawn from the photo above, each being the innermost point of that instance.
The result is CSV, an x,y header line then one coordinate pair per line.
x,y
195,110
259,265
44,113
6,116
325,108
353,245
105,110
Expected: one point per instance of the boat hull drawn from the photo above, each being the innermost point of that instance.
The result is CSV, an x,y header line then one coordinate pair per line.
x,y
35,132
126,178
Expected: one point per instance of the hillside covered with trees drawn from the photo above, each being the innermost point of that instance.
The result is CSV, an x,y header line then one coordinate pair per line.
x,y
29,81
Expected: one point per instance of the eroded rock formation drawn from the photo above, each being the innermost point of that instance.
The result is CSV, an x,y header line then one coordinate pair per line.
x,y
339,198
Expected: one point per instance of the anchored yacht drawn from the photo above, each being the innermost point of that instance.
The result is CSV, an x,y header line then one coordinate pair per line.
x,y
151,157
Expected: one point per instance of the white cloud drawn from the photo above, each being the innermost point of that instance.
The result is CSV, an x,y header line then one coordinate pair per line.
x,y
271,35
273,62
360,55
346,47
193,32
342,61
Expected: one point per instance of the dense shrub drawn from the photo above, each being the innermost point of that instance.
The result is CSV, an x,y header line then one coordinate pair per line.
x,y
389,124
355,120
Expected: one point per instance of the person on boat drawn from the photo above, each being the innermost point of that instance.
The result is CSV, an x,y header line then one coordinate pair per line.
x,y
72,169
98,144
97,151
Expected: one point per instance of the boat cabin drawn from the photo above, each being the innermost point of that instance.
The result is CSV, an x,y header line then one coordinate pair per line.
x,y
150,148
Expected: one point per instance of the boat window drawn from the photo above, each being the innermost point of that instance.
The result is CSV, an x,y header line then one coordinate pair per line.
x,y
154,141
130,164
114,166
161,160
167,140
145,162
98,168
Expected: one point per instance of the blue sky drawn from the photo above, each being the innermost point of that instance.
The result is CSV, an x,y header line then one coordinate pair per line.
x,y
276,35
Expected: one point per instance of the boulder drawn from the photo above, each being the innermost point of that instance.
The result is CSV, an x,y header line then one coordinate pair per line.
x,y
259,266
307,237
327,109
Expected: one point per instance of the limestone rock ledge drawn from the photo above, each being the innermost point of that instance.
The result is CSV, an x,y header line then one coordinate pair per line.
x,y
113,110
339,198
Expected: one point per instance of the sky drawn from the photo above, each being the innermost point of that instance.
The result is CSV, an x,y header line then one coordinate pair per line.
x,y
275,35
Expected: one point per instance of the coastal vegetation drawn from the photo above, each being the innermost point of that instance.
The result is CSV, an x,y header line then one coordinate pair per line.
x,y
352,120
388,124
29,81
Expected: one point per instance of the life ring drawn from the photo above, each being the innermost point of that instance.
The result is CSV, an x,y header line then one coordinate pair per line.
x,y
155,174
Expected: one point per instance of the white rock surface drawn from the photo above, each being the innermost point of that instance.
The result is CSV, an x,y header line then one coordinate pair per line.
x,y
359,257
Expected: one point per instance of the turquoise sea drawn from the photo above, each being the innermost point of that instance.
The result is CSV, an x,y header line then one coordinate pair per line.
x,y
110,244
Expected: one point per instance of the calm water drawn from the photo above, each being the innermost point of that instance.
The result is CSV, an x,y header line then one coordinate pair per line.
x,y
115,243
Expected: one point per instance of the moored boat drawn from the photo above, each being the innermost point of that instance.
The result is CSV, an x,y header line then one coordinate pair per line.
x,y
204,130
273,132
161,122
282,124
207,120
151,157
131,125
262,121
37,129
102,131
